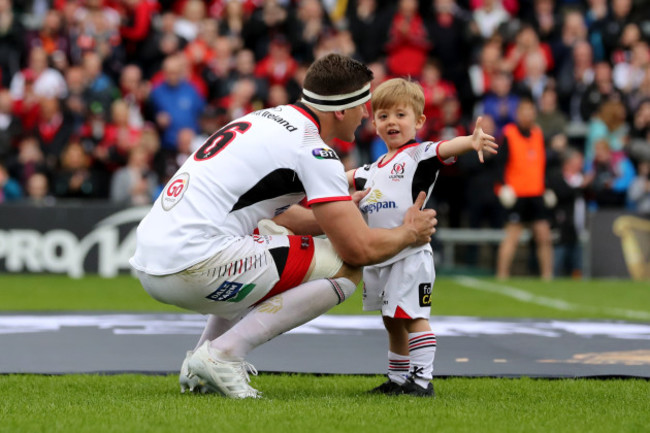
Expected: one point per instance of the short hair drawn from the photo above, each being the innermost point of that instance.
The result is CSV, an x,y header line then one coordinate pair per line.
x,y
335,74
398,91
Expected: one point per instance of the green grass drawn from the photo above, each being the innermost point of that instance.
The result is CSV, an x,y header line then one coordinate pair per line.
x,y
306,403
592,298
303,403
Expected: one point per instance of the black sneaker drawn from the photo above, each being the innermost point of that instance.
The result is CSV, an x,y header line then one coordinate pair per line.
x,y
388,388
412,388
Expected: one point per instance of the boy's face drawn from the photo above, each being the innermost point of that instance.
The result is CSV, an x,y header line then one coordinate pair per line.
x,y
397,124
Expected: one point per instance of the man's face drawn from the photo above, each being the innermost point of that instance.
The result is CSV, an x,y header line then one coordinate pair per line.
x,y
352,118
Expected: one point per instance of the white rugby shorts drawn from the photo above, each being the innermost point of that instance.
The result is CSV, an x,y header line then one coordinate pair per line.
x,y
248,271
402,289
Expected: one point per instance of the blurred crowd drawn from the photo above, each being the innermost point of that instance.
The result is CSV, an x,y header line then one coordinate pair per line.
x,y
105,99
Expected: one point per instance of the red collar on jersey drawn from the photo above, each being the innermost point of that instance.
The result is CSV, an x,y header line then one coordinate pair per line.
x,y
307,112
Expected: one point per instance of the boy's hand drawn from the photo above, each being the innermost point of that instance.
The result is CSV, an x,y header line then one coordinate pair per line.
x,y
483,142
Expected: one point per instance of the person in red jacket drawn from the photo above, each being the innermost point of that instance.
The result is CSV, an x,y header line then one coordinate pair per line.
x,y
522,191
408,42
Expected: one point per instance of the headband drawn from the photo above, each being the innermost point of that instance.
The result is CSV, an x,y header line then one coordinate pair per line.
x,y
336,102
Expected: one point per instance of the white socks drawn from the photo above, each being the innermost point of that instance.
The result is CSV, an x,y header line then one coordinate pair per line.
x,y
280,314
422,351
398,367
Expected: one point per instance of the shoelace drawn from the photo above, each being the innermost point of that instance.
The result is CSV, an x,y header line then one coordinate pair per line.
x,y
246,368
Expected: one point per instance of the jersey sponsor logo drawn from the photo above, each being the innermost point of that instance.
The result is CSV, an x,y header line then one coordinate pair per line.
x,y
374,203
230,291
174,191
424,291
397,172
279,120
324,153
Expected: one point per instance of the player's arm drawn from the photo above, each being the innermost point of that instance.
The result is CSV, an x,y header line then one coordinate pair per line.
x,y
299,220
360,245
478,141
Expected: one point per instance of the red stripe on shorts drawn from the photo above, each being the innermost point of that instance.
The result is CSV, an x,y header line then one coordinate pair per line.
x,y
301,252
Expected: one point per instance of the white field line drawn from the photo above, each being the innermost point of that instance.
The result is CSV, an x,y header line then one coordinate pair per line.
x,y
558,304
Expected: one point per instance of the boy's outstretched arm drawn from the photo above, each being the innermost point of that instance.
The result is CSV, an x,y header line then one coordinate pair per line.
x,y
478,141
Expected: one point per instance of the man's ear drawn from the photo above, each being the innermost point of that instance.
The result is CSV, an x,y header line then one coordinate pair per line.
x,y
339,114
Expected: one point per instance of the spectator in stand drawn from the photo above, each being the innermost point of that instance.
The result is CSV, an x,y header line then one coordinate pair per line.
x,y
521,189
482,73
630,35
10,190
612,173
267,21
100,87
408,42
629,75
134,28
50,36
526,43
241,100
134,91
188,24
221,64
27,161
175,103
436,92
99,31
10,126
600,90
550,118
231,24
535,80
546,21
37,191
639,190
46,81
76,178
368,21
53,130
573,79
11,43
500,102
639,146
278,66
446,25
573,31
487,18
306,26
119,137
612,25
75,101
244,67
610,124
568,182
134,184
161,43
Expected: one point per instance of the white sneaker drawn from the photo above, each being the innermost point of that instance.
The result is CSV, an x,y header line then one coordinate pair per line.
x,y
187,383
225,377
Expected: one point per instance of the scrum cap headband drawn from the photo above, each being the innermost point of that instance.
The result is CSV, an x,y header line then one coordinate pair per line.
x,y
336,102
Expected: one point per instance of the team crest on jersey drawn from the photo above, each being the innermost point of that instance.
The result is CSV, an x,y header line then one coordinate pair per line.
x,y
174,190
397,172
374,203
324,153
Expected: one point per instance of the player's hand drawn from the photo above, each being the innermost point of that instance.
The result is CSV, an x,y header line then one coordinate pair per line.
x,y
357,196
482,142
421,221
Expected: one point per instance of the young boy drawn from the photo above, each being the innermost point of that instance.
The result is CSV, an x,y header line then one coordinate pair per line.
x,y
401,287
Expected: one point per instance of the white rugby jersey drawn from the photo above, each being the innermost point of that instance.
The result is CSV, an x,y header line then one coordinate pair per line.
x,y
253,168
395,184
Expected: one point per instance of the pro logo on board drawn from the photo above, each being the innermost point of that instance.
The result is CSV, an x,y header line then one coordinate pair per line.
x,y
174,190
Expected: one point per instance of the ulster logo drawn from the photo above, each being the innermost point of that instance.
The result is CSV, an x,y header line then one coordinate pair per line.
x,y
397,172
174,190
